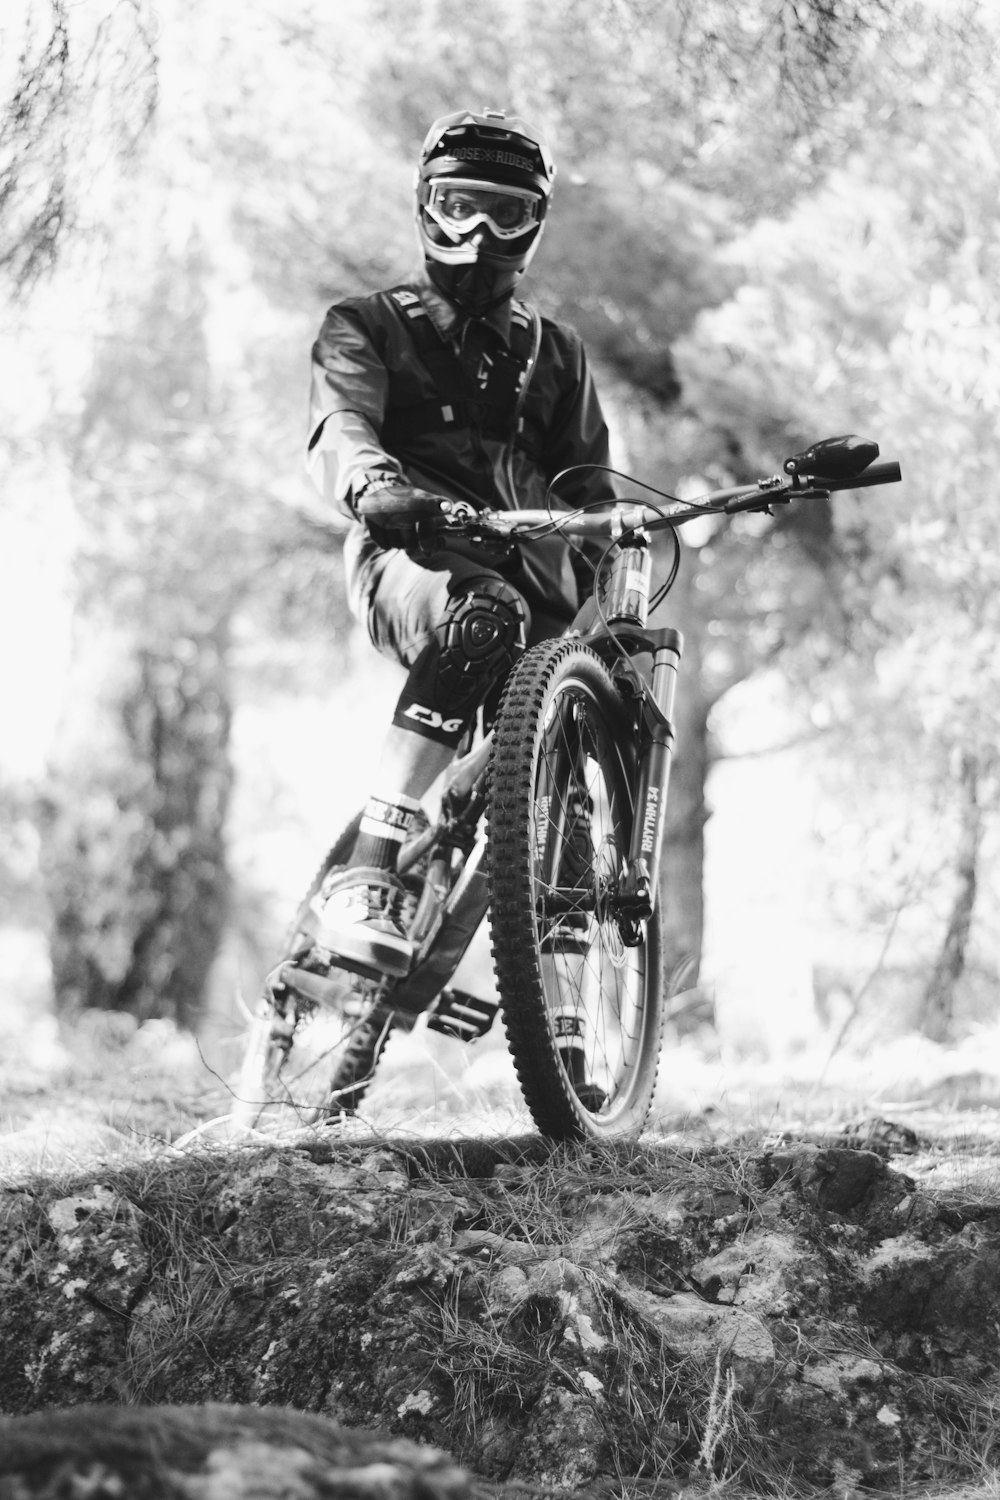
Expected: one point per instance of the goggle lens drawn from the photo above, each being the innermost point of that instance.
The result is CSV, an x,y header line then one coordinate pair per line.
x,y
462,207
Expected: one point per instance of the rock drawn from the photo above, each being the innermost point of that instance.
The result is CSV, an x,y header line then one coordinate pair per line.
x,y
562,1453
215,1452
704,1332
941,1298
578,1320
835,1179
761,1269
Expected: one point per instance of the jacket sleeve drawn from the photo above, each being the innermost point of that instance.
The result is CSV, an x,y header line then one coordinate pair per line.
x,y
350,384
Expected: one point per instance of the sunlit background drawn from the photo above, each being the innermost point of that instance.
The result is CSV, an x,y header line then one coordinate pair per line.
x,y
771,224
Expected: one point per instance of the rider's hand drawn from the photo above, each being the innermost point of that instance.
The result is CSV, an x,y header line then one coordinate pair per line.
x,y
391,508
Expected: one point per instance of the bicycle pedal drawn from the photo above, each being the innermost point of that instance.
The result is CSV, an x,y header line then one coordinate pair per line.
x,y
464,1016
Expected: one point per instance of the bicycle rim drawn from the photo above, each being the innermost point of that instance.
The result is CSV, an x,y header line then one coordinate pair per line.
x,y
304,1061
581,987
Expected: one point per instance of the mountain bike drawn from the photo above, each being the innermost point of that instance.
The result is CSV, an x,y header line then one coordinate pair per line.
x,y
552,820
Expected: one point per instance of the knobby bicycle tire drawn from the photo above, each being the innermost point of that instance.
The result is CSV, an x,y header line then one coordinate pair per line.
x,y
581,987
331,1056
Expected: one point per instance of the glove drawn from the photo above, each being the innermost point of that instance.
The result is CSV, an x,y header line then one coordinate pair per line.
x,y
391,509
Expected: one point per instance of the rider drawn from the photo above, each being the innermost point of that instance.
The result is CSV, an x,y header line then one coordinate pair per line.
x,y
448,387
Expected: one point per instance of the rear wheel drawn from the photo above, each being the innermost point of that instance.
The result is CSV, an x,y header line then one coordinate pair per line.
x,y
580,979
313,1047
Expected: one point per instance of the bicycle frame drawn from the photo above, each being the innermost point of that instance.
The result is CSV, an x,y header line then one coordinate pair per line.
x,y
450,910
837,463
449,914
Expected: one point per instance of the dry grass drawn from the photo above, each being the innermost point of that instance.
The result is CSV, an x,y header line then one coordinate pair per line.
x,y
138,1103
105,1088
665,1420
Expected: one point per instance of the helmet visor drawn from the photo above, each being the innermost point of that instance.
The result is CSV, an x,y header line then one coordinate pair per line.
x,y
460,205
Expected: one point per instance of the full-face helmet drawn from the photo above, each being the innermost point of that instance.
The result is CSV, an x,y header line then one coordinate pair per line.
x,y
483,188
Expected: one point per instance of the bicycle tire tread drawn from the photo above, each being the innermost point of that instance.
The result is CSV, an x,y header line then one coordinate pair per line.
x,y
529,1036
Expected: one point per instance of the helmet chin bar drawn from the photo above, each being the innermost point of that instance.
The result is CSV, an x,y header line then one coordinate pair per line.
x,y
477,276
473,286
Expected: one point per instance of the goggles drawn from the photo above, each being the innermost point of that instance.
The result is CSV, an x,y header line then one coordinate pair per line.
x,y
459,206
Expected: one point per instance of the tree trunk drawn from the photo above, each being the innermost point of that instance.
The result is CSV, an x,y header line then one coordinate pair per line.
x,y
682,867
134,849
938,1009
683,862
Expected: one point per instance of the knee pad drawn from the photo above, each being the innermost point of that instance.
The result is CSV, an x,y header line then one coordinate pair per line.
x,y
479,641
484,635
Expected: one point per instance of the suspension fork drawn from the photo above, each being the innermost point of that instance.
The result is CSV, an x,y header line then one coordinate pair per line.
x,y
641,883
626,607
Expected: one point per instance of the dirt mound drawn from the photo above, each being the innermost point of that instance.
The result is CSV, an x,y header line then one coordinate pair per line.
x,y
214,1452
572,1319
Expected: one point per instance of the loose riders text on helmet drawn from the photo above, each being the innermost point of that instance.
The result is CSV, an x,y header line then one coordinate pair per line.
x,y
483,187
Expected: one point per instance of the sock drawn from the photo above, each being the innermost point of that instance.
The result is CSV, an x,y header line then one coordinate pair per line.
x,y
385,826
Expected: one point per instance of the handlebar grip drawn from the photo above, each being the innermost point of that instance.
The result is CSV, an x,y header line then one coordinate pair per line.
x,y
887,472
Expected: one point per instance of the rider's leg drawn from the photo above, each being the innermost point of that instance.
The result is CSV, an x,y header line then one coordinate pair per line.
x,y
411,763
460,629
408,767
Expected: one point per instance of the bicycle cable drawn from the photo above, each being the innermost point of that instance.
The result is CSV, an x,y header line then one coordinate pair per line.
x,y
692,508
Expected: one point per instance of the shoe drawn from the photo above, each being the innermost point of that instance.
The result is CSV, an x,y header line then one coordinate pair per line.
x,y
358,922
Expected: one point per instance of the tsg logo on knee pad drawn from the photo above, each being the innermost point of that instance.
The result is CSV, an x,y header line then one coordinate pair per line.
x,y
432,719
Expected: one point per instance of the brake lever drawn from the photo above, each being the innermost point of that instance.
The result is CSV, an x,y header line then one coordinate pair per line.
x,y
458,510
462,520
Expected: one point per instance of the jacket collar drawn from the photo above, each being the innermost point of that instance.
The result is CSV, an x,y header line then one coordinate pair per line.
x,y
451,322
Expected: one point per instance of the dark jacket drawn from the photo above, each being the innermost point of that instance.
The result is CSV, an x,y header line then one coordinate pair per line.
x,y
438,403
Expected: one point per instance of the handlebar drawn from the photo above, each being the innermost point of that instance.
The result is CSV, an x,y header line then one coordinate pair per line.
x,y
621,516
887,472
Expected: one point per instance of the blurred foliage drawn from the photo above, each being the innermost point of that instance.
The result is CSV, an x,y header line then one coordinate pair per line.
x,y
771,222
899,297
177,545
63,65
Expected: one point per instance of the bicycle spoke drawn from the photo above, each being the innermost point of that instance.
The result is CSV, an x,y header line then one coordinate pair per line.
x,y
599,995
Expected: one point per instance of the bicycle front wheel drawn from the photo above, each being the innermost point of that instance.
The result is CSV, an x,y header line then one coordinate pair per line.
x,y
580,980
